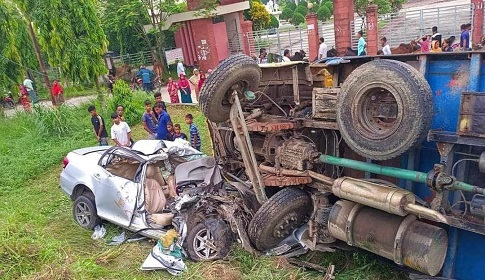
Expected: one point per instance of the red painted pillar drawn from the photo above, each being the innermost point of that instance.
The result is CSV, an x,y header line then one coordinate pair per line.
x,y
343,14
372,40
313,37
477,21
247,30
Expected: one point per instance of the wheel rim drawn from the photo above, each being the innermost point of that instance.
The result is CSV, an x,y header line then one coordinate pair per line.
x,y
204,245
377,112
83,214
286,225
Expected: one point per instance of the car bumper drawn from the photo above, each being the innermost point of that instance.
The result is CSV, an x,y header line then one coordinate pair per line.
x,y
67,183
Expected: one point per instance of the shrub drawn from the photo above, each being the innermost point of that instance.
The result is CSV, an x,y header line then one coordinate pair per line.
x,y
122,95
287,13
323,13
274,23
301,10
259,16
297,19
329,5
55,122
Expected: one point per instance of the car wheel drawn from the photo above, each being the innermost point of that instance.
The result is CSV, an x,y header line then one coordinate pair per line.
x,y
209,240
285,211
384,108
237,72
84,212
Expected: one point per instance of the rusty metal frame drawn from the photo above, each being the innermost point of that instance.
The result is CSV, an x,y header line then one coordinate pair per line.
x,y
246,148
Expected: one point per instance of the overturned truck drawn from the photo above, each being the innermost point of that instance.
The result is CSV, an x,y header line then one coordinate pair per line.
x,y
381,153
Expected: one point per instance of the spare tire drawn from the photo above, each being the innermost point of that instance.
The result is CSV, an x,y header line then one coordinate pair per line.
x,y
276,219
385,107
237,72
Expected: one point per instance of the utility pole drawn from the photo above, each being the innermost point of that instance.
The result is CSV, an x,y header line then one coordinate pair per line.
x,y
41,61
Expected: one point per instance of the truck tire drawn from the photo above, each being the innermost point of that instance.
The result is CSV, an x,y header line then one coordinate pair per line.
x,y
385,107
285,211
237,72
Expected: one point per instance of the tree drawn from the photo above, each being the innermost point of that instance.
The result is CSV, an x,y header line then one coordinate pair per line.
x,y
323,13
259,15
274,23
384,6
287,13
297,19
16,52
75,43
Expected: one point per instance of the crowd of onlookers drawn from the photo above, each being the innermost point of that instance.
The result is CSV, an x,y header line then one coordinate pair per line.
x,y
156,122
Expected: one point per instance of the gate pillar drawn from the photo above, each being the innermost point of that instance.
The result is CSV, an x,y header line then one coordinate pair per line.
x,y
372,40
313,37
477,21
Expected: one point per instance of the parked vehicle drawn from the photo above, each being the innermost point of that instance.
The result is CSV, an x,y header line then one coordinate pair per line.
x,y
389,159
7,101
155,186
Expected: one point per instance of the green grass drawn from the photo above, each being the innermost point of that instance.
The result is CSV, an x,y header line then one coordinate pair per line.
x,y
39,239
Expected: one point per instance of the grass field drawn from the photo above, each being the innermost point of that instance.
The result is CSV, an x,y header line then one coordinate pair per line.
x,y
39,239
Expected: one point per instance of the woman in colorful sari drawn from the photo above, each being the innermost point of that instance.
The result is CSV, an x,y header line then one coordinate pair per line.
x,y
184,88
24,100
173,91
201,80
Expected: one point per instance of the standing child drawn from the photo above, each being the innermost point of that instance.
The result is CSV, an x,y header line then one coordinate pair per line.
x,y
173,91
178,133
120,131
194,132
120,110
98,126
149,121
171,133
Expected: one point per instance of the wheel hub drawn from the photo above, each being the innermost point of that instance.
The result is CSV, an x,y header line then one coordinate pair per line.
x,y
286,226
83,214
204,244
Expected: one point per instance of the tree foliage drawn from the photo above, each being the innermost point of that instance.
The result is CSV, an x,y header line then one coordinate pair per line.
x,y
287,13
297,19
259,15
16,52
75,43
384,6
274,23
324,13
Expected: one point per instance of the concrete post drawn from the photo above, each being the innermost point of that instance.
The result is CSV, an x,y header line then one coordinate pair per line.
x,y
372,39
247,30
343,13
313,37
477,21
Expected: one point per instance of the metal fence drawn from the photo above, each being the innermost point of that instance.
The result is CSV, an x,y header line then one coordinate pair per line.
x,y
402,27
293,38
139,58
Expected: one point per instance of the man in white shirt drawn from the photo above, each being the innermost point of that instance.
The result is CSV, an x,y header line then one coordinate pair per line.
x,y
30,90
120,132
386,49
286,56
180,68
322,50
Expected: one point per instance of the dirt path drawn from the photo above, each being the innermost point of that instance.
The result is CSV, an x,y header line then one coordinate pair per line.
x,y
75,101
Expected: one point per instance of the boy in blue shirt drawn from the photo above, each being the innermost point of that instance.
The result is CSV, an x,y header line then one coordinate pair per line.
x,y
149,121
194,132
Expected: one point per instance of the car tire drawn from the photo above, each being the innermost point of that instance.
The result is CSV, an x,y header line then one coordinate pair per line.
x,y
285,211
84,212
237,72
377,132
220,239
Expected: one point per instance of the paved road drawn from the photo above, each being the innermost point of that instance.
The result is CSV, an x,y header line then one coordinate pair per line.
x,y
75,101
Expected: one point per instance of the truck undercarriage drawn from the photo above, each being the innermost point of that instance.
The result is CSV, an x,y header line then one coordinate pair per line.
x,y
330,151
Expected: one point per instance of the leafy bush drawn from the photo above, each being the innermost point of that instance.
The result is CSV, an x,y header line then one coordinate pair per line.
x,y
122,95
297,19
274,23
290,5
329,5
323,13
301,10
287,13
259,15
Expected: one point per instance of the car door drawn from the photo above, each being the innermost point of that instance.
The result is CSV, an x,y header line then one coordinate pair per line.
x,y
116,197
